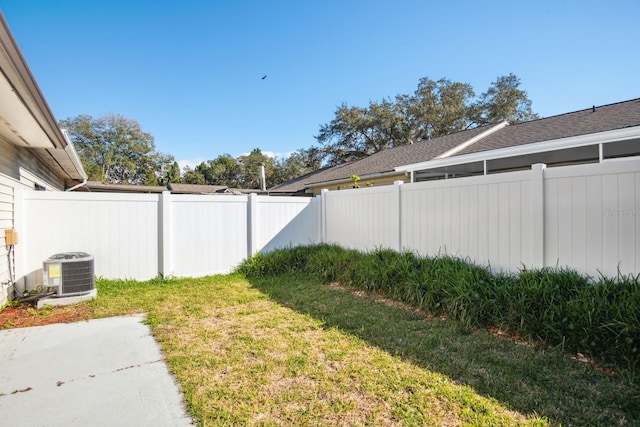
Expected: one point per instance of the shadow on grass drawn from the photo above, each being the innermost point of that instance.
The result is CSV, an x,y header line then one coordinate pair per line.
x,y
522,377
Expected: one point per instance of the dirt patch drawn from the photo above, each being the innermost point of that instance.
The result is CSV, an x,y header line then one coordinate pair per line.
x,y
25,315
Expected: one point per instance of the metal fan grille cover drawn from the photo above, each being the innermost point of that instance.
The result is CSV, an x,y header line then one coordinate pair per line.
x,y
77,277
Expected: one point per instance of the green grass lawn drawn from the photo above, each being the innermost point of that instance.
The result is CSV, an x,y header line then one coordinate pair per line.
x,y
291,351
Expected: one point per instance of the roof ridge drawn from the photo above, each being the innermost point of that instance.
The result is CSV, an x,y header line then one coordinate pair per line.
x,y
576,111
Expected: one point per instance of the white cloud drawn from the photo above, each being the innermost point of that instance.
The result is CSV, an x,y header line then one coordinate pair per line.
x,y
192,163
272,154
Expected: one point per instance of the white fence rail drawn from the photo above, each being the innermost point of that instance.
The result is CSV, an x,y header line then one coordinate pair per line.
x,y
586,217
138,236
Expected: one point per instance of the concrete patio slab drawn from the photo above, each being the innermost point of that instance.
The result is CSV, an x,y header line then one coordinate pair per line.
x,y
103,372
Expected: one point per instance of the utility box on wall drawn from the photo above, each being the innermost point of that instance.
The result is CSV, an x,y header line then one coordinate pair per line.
x,y
10,237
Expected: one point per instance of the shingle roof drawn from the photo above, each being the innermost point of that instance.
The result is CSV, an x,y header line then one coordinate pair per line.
x,y
101,187
196,188
383,161
606,117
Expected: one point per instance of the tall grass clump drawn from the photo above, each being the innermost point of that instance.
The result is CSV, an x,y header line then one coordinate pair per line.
x,y
331,263
536,303
559,306
605,320
456,288
600,318
278,261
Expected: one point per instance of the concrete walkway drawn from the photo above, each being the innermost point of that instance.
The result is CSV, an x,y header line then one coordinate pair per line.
x,y
103,372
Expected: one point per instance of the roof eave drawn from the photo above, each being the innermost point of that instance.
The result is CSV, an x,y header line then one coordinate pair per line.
x,y
347,180
19,76
32,111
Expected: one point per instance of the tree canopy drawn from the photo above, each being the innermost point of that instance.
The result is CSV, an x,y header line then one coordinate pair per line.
x,y
114,149
243,171
436,108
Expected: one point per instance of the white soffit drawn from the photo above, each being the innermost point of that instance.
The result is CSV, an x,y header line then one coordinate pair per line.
x,y
17,124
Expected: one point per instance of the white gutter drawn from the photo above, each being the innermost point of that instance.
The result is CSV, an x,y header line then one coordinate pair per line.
x,y
73,155
531,148
459,148
82,184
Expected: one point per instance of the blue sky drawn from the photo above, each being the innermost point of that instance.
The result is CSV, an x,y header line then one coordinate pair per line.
x,y
190,71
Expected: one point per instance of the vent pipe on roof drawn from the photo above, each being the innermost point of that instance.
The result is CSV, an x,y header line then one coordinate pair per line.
x,y
263,181
593,110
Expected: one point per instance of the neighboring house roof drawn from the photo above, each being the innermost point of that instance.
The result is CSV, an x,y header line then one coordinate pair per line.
x,y
590,135
591,120
25,117
100,187
197,188
382,162
396,160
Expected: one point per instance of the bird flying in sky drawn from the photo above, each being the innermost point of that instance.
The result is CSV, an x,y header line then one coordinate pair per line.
x,y
264,77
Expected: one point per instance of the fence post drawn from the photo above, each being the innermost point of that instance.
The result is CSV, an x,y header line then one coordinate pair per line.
x,y
165,234
252,224
323,215
398,187
537,215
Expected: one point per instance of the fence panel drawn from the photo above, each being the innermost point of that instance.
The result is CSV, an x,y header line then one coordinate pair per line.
x,y
586,217
119,230
363,218
592,217
287,221
208,234
487,219
138,236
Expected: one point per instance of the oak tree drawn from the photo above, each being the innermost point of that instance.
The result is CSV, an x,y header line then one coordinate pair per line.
x,y
436,108
114,149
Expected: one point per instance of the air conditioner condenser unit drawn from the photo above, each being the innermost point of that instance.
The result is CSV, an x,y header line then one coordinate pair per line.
x,y
70,273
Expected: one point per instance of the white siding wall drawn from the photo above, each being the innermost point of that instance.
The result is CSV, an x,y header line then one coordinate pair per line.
x,y
6,221
19,169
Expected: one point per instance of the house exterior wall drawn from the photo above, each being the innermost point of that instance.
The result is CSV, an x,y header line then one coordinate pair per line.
x,y
19,169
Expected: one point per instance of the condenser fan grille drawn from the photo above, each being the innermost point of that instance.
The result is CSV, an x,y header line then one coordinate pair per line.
x,y
77,277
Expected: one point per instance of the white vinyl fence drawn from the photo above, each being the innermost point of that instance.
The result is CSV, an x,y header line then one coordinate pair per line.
x,y
586,217
138,236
